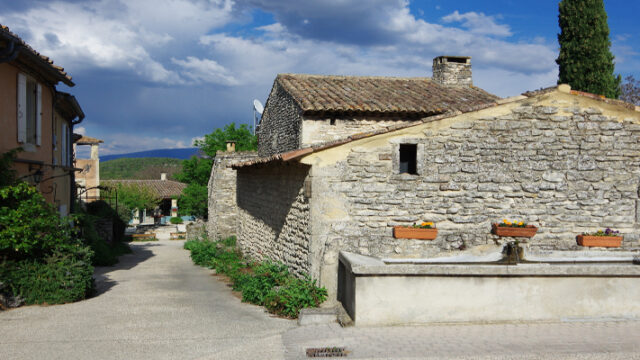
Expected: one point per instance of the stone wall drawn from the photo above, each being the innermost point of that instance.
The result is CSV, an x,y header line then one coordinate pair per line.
x,y
279,129
321,130
274,214
564,168
222,207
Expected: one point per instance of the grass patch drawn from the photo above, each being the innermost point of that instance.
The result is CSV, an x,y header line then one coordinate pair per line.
x,y
265,283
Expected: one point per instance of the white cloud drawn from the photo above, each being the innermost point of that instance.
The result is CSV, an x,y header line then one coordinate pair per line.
x,y
120,143
478,23
117,34
205,71
80,130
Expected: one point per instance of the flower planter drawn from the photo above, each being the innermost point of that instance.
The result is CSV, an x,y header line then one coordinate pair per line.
x,y
528,231
402,232
600,241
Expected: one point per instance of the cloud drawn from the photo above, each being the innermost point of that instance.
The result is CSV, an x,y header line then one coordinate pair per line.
x,y
80,130
205,71
123,35
120,143
478,23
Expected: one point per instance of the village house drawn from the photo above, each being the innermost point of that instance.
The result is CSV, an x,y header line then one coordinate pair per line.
x,y
343,159
39,119
168,191
88,179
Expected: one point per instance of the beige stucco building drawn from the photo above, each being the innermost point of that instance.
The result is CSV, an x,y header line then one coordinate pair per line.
x,y
37,118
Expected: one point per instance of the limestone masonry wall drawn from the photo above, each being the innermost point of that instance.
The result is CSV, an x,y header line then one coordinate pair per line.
x,y
223,210
273,214
565,168
320,130
279,129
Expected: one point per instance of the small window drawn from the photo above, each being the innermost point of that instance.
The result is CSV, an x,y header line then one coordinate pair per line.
x,y
332,122
408,158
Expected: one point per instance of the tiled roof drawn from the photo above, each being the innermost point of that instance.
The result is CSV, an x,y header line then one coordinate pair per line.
x,y
297,154
382,95
165,189
87,140
56,71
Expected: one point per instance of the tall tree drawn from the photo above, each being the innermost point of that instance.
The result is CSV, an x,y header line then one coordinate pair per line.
x,y
196,171
585,59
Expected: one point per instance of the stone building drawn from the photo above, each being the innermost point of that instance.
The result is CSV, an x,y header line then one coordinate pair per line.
x,y
344,159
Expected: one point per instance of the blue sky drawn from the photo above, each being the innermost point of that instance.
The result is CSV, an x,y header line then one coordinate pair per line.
x,y
158,73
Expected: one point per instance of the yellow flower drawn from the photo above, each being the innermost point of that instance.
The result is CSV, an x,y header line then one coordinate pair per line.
x,y
424,224
521,223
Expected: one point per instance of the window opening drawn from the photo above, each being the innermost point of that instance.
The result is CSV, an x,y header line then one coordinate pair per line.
x,y
408,159
332,122
32,109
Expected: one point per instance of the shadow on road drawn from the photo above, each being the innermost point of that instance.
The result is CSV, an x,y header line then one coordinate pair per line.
x,y
141,252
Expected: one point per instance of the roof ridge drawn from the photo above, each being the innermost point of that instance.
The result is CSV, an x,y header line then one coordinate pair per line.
x,y
425,78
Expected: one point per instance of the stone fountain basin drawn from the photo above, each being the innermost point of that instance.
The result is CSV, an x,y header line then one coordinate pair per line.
x,y
567,286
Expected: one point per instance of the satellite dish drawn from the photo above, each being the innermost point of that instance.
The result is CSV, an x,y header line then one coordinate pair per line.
x,y
257,109
257,105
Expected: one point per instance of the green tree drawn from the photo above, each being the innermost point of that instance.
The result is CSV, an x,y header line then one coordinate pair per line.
x,y
133,196
217,140
585,59
196,171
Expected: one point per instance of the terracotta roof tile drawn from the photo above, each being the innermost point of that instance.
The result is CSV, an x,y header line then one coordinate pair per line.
x,y
382,95
45,61
165,189
87,140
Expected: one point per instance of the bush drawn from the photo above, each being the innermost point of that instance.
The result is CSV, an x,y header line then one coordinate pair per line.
x,y
266,283
29,226
64,276
105,254
42,259
175,220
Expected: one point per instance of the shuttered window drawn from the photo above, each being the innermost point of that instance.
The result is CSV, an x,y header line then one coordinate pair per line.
x,y
29,110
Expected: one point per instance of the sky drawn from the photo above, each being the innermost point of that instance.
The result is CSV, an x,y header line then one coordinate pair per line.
x,y
156,74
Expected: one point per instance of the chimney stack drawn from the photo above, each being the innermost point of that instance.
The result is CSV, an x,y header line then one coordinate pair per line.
x,y
163,176
452,70
231,146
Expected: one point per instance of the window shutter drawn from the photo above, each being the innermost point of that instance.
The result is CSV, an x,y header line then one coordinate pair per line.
x,y
22,108
39,116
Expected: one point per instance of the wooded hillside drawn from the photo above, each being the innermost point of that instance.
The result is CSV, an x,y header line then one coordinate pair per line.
x,y
139,168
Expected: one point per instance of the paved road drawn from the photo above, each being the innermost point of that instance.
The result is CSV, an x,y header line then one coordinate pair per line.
x,y
573,340
155,304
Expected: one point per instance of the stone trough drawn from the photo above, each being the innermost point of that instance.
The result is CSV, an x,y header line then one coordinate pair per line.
x,y
542,286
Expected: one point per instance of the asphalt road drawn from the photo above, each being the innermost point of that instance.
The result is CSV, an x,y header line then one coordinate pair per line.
x,y
154,304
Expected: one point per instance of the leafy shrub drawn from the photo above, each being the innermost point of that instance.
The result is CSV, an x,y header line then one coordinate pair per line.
x,y
175,220
64,276
265,283
29,226
294,295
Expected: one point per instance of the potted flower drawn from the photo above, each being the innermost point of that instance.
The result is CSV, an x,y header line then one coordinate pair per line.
x,y
513,229
606,238
422,231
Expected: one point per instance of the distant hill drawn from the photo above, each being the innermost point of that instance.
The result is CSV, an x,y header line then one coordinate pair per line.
x,y
139,168
182,154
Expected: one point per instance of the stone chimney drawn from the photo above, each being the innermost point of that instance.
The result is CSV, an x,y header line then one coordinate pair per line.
x,y
452,70
231,146
163,176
